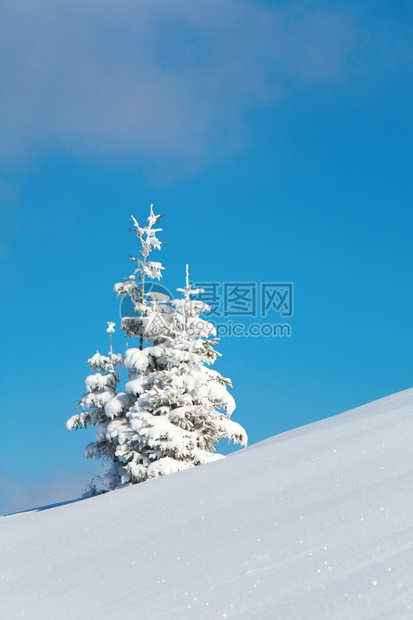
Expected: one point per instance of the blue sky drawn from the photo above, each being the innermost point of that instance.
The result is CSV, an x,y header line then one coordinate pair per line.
x,y
277,138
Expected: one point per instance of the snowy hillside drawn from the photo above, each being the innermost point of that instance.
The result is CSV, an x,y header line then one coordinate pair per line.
x,y
314,524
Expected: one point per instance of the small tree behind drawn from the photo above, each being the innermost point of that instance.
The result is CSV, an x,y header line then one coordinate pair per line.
x,y
101,405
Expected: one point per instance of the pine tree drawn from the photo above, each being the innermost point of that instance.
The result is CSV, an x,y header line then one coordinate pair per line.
x,y
134,286
182,408
174,409
101,404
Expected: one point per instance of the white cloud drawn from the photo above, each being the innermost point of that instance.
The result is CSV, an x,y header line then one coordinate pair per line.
x,y
154,79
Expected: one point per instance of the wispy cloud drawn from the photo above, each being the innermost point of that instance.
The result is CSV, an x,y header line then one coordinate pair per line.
x,y
22,495
155,80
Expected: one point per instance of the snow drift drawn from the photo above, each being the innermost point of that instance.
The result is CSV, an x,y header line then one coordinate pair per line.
x,y
316,523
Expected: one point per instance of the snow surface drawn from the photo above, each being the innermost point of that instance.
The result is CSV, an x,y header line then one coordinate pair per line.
x,y
313,524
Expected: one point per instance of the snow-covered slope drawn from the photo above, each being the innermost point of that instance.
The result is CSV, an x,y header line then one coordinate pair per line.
x,y
314,524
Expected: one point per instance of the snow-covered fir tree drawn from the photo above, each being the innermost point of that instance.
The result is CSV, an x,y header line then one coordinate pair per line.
x,y
182,408
101,404
134,286
174,409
